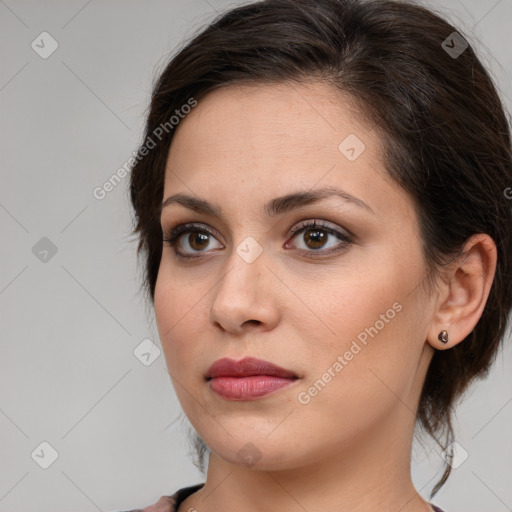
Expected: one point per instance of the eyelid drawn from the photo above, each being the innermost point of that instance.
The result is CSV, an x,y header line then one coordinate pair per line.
x,y
320,224
174,233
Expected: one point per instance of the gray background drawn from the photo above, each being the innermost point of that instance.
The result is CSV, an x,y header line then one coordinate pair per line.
x,y
71,322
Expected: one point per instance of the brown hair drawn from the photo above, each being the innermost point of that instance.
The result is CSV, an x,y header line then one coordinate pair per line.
x,y
446,140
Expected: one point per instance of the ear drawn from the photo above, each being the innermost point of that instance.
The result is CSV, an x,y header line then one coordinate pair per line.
x,y
464,292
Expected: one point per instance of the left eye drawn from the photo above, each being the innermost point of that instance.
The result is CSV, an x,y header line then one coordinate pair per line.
x,y
315,236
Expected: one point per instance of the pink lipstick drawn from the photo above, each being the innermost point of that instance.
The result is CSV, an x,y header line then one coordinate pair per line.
x,y
247,379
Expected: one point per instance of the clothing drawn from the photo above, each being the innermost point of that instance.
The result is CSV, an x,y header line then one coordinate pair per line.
x,y
171,503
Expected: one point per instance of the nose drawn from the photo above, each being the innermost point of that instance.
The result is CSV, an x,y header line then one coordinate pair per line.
x,y
245,299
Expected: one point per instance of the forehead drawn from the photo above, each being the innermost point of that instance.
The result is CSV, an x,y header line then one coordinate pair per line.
x,y
277,119
261,141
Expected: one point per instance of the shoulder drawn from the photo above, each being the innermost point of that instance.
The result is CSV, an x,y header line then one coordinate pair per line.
x,y
164,504
169,503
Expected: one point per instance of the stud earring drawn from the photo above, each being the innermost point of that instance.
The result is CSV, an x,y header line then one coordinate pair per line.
x,y
443,336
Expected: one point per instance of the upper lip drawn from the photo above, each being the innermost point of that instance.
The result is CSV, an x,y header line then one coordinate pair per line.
x,y
246,367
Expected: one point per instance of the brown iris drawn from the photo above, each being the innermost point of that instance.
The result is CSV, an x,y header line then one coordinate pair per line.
x,y
316,237
196,239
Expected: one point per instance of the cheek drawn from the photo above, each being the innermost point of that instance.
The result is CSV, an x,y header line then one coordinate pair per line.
x,y
165,304
352,306
366,337
176,296
177,312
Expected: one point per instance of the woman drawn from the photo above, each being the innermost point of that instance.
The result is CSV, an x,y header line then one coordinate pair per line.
x,y
320,200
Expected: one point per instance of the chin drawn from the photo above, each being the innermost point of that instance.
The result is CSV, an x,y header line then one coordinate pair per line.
x,y
255,452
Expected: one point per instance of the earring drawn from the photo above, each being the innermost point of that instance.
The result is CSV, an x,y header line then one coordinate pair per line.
x,y
443,336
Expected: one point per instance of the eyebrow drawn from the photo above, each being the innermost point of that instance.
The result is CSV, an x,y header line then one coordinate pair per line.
x,y
274,207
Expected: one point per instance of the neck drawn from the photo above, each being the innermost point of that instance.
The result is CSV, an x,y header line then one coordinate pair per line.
x,y
372,473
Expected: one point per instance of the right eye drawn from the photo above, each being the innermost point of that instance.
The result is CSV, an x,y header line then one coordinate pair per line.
x,y
198,239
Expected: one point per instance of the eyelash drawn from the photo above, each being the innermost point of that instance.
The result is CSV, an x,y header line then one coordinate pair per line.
x,y
173,235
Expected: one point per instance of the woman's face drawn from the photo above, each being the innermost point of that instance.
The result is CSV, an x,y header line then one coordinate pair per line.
x,y
342,305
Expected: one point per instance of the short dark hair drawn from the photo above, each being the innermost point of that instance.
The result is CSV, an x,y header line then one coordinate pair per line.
x,y
446,140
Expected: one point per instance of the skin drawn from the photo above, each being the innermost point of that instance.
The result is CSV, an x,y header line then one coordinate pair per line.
x,y
349,447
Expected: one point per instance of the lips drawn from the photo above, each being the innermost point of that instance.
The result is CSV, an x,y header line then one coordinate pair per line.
x,y
248,379
247,367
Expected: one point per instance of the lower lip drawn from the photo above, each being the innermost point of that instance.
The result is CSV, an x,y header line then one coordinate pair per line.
x,y
248,388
